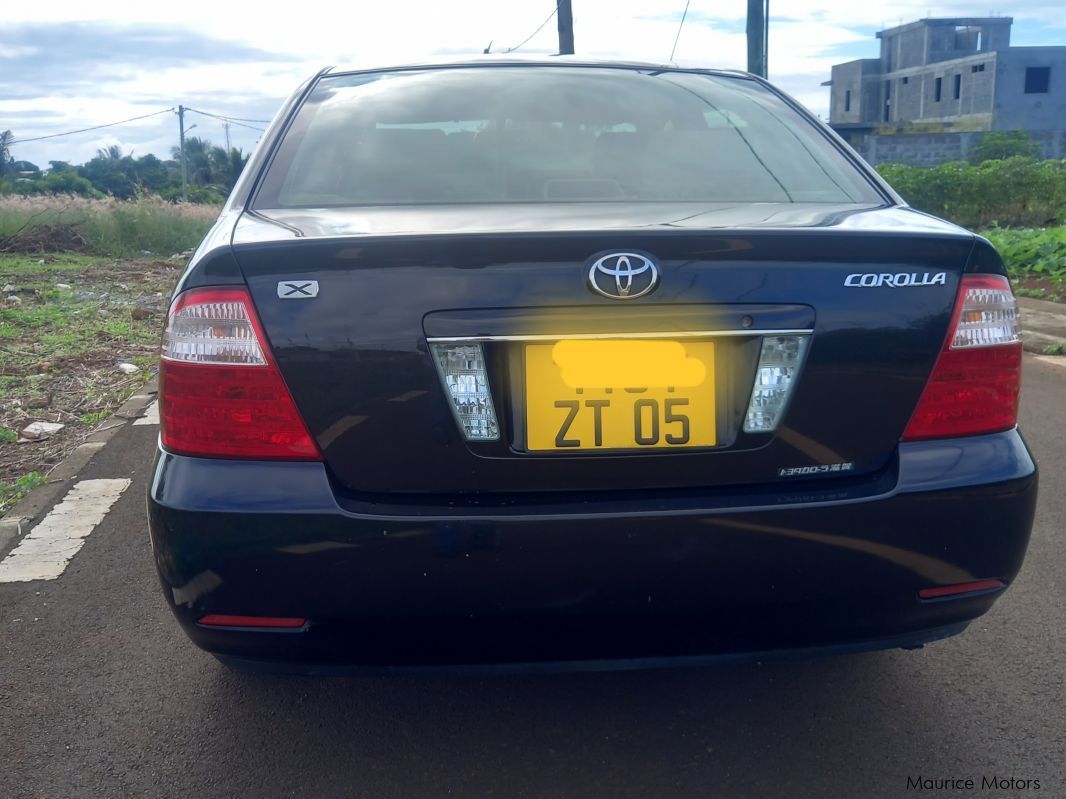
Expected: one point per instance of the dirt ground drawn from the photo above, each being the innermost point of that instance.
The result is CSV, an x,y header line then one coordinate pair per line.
x,y
1041,288
67,324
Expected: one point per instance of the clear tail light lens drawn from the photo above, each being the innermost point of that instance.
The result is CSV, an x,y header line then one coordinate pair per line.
x,y
987,314
973,388
212,327
220,393
462,371
779,363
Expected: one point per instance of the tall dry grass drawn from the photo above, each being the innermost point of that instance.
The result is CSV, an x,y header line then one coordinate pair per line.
x,y
106,226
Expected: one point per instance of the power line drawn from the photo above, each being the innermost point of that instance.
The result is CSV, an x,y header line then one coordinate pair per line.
x,y
94,127
534,33
241,119
679,27
231,120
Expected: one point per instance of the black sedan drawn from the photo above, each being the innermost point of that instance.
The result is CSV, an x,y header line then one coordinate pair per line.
x,y
584,365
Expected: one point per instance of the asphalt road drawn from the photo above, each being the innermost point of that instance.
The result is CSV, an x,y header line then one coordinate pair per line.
x,y
101,695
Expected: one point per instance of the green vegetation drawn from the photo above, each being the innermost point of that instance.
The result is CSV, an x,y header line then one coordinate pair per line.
x,y
12,491
997,145
104,227
66,323
1032,253
1019,191
1015,198
212,171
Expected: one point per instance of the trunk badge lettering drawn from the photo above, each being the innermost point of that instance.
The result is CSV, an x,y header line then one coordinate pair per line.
x,y
825,468
897,280
298,289
623,275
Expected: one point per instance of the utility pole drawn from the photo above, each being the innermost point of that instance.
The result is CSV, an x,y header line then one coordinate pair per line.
x,y
181,141
225,127
565,15
758,41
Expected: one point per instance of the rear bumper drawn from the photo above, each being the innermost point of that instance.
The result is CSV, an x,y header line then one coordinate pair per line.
x,y
637,580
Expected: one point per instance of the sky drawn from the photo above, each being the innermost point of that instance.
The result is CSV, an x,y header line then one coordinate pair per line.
x,y
67,64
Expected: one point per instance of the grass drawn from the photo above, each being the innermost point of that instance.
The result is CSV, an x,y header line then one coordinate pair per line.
x,y
144,227
1035,293
74,319
95,417
14,490
15,264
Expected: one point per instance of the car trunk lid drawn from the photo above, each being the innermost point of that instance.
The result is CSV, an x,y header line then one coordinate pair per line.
x,y
358,356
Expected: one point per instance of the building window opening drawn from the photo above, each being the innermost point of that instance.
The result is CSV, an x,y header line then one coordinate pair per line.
x,y
967,38
1037,80
938,86
958,87
847,100
977,68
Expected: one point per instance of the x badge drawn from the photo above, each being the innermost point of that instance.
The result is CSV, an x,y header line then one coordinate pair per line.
x,y
297,289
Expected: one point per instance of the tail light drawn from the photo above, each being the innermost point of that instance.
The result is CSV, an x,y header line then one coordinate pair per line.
x,y
221,394
974,385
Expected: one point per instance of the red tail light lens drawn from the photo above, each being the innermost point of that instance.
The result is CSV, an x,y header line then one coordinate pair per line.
x,y
973,388
220,393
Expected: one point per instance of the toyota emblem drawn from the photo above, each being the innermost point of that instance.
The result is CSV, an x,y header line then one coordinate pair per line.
x,y
623,275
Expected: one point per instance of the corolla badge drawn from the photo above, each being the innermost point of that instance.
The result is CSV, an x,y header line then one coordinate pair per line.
x,y
895,280
623,275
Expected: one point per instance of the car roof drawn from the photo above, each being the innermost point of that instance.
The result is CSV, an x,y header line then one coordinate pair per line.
x,y
514,59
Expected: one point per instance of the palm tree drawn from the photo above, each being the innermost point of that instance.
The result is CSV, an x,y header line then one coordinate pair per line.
x,y
112,153
7,138
226,167
197,159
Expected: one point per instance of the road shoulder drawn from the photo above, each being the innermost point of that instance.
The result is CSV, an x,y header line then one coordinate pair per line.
x,y
32,507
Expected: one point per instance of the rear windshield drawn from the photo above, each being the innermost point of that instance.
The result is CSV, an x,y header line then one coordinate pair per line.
x,y
552,134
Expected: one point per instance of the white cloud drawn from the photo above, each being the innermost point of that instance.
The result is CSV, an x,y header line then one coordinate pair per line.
x,y
806,38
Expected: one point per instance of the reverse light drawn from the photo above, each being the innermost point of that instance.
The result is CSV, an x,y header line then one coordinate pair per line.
x,y
462,371
973,388
779,363
221,394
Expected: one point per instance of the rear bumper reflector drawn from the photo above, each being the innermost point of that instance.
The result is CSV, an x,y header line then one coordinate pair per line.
x,y
959,590
258,622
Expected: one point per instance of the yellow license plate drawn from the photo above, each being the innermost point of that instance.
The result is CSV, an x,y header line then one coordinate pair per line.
x,y
619,394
